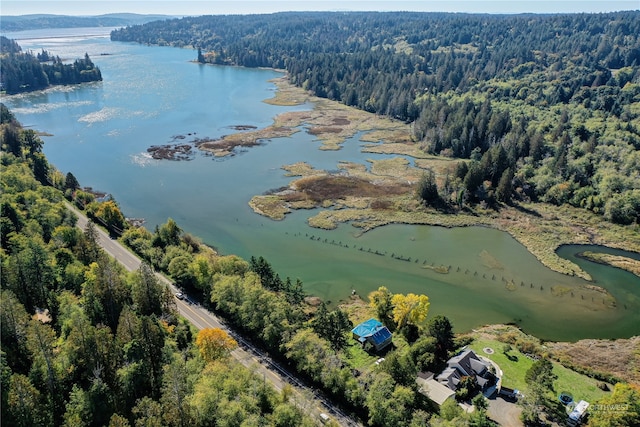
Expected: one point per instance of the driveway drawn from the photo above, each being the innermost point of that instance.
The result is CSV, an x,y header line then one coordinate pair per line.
x,y
505,413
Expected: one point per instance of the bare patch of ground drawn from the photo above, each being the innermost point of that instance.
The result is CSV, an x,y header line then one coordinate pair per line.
x,y
504,413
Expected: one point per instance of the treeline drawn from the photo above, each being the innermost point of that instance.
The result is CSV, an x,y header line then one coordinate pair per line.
x,y
32,22
25,72
381,62
85,343
518,157
543,87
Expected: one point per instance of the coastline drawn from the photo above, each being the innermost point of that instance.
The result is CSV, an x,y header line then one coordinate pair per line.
x,y
541,228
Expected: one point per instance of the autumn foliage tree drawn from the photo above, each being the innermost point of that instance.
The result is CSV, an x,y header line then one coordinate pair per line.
x,y
214,343
410,309
624,403
110,213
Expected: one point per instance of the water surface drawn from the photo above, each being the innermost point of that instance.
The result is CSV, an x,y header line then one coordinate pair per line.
x,y
151,95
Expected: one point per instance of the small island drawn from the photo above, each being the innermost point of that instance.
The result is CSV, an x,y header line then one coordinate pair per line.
x,y
25,72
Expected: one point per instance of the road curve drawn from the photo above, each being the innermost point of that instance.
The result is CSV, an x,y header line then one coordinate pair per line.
x,y
251,357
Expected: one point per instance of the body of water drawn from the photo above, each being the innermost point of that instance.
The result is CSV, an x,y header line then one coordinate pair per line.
x,y
157,95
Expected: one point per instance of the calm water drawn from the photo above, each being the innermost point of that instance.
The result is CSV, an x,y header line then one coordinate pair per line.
x,y
150,95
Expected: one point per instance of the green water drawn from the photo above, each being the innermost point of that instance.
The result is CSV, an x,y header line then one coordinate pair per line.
x,y
151,94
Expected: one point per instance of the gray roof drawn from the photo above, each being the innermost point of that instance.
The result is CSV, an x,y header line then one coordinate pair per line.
x,y
469,362
466,363
435,391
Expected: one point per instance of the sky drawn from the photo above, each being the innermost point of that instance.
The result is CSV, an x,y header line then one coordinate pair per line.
x,y
218,7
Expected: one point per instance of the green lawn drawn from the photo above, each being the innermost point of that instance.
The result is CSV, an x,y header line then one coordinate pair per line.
x,y
580,386
361,360
357,357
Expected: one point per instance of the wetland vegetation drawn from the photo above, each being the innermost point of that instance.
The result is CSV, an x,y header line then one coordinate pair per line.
x,y
541,142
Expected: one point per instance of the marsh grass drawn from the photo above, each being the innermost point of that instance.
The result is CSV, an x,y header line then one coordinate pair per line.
x,y
270,206
624,263
386,193
441,269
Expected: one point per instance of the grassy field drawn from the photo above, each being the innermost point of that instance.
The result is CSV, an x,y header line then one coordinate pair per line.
x,y
515,367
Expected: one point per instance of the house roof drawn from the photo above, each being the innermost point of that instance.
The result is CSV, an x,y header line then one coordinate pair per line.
x,y
380,336
451,377
468,363
478,366
435,391
367,328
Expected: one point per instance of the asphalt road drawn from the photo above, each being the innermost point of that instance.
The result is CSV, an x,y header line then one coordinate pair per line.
x,y
307,399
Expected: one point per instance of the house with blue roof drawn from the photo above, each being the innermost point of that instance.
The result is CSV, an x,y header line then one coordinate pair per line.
x,y
374,333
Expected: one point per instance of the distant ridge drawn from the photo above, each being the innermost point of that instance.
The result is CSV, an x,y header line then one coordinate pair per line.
x,y
42,21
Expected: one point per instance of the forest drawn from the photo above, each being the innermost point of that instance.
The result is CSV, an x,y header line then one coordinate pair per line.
x,y
541,107
26,72
85,343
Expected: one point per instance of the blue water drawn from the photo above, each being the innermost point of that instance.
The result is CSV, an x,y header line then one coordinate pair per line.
x,y
150,95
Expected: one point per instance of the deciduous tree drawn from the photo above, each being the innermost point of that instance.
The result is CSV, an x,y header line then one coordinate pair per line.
x,y
214,343
380,301
619,409
410,309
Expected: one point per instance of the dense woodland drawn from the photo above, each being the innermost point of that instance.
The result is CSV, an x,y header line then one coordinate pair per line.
x,y
85,343
544,107
26,72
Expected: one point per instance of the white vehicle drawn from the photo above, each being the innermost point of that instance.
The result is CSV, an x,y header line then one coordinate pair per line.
x,y
324,418
180,295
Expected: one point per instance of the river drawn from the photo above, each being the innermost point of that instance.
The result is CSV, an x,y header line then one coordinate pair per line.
x,y
157,95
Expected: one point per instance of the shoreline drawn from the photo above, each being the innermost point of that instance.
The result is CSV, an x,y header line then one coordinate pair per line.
x,y
541,228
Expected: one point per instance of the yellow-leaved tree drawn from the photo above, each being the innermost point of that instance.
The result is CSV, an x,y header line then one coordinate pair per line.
x,y
214,343
410,309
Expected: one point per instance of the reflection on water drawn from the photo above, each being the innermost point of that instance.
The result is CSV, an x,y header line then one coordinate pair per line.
x,y
151,95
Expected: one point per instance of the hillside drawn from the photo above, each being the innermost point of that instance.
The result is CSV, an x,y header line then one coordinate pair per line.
x,y
41,21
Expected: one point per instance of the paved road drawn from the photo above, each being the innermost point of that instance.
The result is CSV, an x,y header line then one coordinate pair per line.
x,y
309,401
